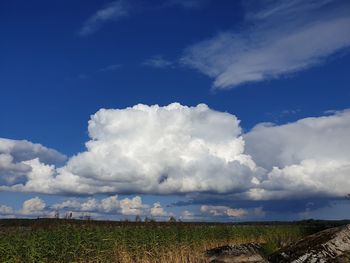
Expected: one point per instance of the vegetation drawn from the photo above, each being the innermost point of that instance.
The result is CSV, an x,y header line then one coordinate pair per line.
x,y
58,240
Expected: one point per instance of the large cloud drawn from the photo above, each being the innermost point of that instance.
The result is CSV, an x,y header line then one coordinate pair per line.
x,y
153,149
177,149
305,158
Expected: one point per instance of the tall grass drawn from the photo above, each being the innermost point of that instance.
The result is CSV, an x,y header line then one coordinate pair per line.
x,y
138,242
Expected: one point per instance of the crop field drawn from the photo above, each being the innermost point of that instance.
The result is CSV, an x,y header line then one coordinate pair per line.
x,y
49,240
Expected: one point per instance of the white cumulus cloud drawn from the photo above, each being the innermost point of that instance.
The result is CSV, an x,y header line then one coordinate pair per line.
x,y
23,150
132,206
304,158
109,205
177,149
33,206
157,210
16,157
153,149
187,215
5,210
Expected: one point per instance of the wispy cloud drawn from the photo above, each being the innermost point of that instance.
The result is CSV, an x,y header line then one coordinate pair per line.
x,y
187,4
82,76
110,68
276,117
114,11
91,74
274,40
158,61
119,9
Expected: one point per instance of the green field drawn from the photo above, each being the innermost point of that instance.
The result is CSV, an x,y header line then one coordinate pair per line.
x,y
50,240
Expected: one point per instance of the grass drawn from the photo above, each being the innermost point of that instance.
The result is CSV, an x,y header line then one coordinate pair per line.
x,y
49,240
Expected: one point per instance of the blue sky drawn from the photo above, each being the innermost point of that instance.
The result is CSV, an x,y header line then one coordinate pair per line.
x,y
270,64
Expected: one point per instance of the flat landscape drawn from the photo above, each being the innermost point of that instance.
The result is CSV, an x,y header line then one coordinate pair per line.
x,y
59,240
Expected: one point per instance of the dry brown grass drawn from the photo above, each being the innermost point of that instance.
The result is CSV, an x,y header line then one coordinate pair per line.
x,y
178,254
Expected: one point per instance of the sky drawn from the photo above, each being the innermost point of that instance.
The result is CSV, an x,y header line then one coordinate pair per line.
x,y
199,109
